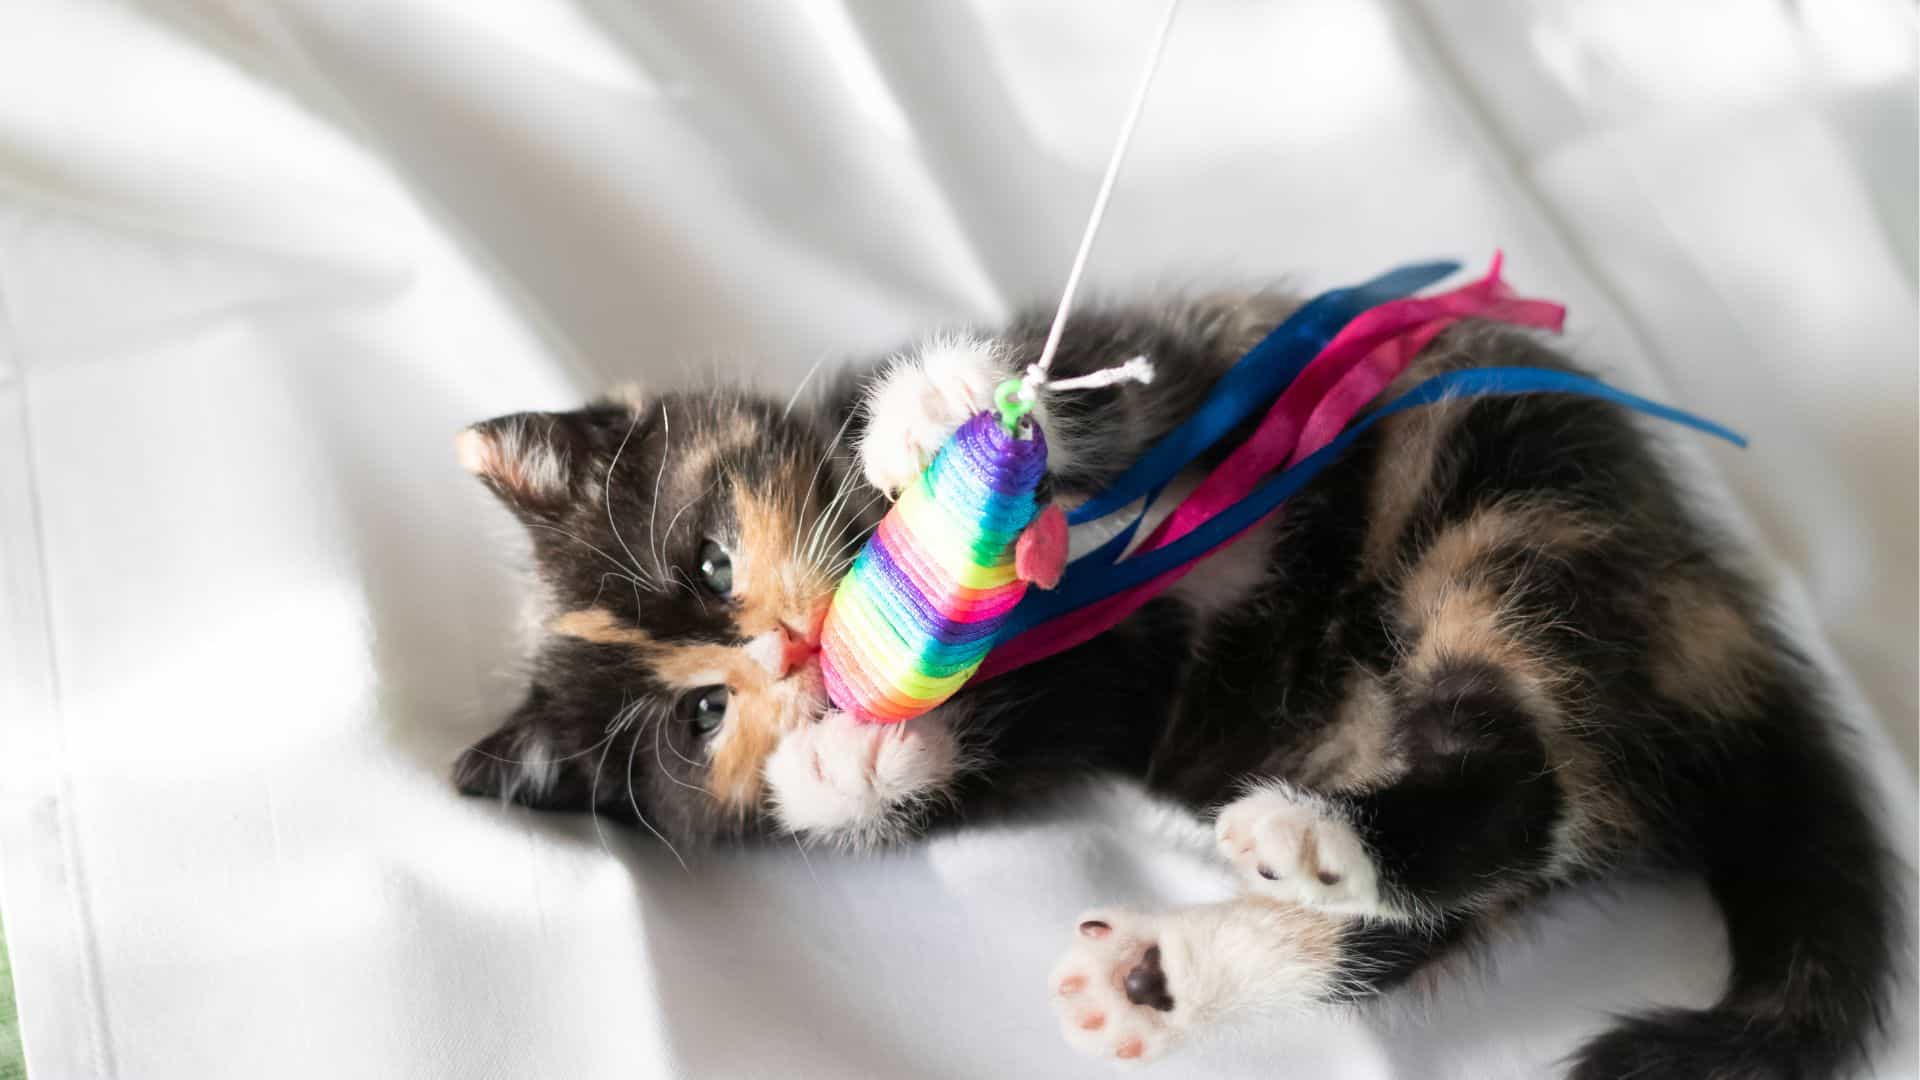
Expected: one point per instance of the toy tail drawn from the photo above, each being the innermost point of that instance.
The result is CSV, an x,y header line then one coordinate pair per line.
x,y
1812,911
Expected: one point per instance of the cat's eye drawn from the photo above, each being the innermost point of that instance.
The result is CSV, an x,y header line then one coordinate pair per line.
x,y
716,569
704,709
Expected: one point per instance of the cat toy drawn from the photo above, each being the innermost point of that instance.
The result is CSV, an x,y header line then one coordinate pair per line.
x,y
939,595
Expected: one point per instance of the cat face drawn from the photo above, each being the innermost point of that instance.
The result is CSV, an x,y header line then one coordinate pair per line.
x,y
687,546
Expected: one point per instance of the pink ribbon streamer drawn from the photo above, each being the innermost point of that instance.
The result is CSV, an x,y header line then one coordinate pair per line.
x,y
1352,370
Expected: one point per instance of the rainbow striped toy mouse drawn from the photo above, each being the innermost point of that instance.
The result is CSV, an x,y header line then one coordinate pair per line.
x,y
926,598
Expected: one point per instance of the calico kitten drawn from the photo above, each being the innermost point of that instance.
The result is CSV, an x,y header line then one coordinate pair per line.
x,y
1486,654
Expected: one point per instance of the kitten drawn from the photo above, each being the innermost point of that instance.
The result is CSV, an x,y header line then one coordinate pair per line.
x,y
1486,654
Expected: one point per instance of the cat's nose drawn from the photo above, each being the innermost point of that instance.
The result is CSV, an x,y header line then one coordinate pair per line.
x,y
795,650
783,649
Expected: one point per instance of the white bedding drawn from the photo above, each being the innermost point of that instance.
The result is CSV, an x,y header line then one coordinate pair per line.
x,y
259,259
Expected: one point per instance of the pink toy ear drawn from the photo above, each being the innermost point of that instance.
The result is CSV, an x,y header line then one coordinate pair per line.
x,y
1040,555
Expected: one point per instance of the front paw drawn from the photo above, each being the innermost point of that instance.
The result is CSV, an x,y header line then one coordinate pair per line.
x,y
919,402
1113,991
1291,846
859,783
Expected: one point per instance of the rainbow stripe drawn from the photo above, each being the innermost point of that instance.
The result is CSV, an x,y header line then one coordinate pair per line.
x,y
927,596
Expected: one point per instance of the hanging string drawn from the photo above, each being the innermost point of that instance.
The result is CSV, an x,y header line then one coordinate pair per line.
x,y
1017,397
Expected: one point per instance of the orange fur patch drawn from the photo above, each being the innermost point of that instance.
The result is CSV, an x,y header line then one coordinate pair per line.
x,y
763,582
599,626
1411,448
1358,753
1411,445
1706,653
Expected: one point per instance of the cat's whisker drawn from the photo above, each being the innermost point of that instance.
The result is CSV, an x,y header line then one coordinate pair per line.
x,y
634,802
689,505
872,501
831,523
823,527
593,790
826,512
606,495
803,499
491,756
624,570
833,444
802,849
624,719
849,548
679,577
814,527
659,763
804,380
653,507
597,593
676,752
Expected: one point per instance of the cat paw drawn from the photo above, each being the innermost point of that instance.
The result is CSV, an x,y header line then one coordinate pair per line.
x,y
1293,847
854,783
921,400
1114,992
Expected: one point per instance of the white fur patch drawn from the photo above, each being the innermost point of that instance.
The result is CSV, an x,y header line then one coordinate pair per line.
x,y
537,767
526,767
848,782
769,651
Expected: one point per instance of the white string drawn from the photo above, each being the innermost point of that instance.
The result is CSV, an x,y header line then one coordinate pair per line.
x,y
1138,368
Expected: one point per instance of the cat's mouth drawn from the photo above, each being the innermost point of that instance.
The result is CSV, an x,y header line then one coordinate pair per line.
x,y
810,686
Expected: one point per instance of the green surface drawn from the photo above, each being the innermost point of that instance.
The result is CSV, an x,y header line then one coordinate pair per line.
x,y
13,1061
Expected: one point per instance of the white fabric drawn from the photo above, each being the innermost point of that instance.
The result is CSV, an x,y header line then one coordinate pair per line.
x,y
259,260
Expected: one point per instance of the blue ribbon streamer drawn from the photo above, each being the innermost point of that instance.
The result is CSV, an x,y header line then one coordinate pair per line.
x,y
1101,573
1253,382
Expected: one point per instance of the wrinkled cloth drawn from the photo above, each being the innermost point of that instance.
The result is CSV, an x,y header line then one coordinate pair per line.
x,y
260,259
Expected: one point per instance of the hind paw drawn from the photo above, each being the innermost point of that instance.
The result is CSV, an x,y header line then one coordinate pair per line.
x,y
1293,847
1112,991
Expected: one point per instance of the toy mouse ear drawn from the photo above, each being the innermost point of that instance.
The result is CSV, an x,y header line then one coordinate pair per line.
x,y
1040,554
535,462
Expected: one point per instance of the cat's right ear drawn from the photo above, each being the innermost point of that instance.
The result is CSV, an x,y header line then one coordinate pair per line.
x,y
524,762
537,463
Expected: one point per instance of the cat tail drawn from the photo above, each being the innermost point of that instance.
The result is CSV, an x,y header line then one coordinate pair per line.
x,y
1812,905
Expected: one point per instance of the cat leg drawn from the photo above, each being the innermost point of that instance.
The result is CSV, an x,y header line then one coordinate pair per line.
x,y
923,396
859,784
1473,816
1132,985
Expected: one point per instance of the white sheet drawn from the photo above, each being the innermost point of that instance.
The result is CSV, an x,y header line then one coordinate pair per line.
x,y
258,261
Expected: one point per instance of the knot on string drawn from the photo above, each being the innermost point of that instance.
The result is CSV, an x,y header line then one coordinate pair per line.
x,y
1015,398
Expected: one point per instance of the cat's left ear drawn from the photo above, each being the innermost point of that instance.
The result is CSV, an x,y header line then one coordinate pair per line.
x,y
539,463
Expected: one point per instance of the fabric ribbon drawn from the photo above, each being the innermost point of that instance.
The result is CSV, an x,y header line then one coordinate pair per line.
x,y
1365,348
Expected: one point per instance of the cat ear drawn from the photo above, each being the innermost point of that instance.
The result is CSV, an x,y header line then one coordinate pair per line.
x,y
538,463
521,762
